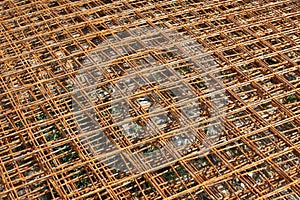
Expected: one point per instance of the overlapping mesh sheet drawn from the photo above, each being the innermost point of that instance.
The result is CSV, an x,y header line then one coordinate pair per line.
x,y
149,99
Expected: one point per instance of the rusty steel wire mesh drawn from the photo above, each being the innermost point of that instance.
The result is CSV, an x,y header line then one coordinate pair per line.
x,y
147,99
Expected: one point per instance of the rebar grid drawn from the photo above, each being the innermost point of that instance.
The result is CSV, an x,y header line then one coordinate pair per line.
x,y
61,59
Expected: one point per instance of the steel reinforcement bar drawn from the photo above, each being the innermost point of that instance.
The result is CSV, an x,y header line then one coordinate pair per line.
x,y
142,99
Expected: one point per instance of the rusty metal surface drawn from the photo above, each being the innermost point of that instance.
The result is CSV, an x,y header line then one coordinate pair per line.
x,y
149,99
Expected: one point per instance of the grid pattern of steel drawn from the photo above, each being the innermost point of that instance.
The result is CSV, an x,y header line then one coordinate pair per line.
x,y
142,99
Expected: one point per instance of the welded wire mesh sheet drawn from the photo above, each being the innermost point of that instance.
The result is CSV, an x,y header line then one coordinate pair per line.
x,y
149,99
